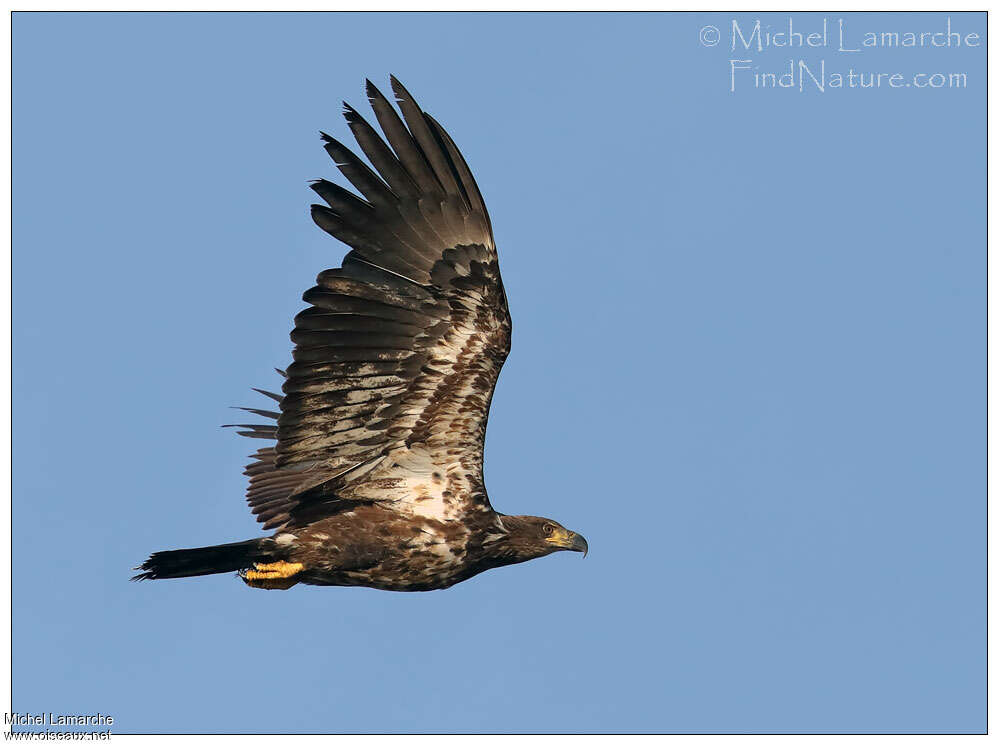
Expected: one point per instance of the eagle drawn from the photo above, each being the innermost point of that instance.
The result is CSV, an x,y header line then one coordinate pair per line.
x,y
375,477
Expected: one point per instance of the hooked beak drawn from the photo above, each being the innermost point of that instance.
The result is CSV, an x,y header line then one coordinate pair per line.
x,y
579,544
568,540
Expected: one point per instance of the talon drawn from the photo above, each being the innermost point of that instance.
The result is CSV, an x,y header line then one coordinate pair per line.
x,y
282,569
274,575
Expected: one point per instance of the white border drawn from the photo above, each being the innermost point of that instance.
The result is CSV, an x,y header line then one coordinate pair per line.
x,y
467,5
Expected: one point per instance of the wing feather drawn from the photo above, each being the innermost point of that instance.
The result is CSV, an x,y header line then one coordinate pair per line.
x,y
398,353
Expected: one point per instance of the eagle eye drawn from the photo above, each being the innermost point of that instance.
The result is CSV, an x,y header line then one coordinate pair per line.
x,y
548,528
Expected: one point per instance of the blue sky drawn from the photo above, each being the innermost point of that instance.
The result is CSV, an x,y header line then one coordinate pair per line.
x,y
748,364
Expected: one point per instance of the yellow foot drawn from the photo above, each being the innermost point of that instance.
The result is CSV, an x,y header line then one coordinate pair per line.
x,y
271,570
272,575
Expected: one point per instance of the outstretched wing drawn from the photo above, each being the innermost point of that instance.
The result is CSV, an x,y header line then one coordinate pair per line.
x,y
397,356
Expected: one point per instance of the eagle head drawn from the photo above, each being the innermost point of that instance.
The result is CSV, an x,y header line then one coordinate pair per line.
x,y
529,536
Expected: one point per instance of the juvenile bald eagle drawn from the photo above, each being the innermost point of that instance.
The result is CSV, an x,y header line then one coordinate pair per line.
x,y
376,475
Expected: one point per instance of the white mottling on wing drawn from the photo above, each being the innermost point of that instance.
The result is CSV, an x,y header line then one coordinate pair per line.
x,y
443,551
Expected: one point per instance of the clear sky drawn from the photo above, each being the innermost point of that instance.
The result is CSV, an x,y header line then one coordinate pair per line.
x,y
748,364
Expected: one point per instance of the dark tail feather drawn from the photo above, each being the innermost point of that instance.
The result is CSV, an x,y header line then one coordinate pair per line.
x,y
186,563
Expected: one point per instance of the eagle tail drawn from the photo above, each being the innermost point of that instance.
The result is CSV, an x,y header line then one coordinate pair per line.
x,y
187,563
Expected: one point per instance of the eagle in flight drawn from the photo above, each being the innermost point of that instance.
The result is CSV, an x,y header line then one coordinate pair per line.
x,y
375,477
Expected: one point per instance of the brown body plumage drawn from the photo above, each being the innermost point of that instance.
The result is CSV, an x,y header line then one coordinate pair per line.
x,y
376,475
